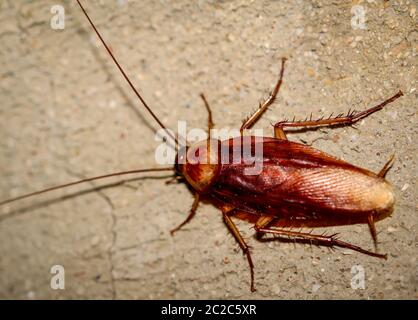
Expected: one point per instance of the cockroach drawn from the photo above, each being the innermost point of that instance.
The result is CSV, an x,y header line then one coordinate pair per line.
x,y
297,185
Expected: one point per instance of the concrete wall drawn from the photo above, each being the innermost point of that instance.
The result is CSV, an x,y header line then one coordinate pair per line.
x,y
66,113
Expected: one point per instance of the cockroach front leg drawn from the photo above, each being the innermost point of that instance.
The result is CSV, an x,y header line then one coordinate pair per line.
x,y
191,214
174,179
330,241
246,250
249,122
348,119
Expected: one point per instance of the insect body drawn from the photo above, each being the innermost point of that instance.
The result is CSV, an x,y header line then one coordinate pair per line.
x,y
295,180
298,181
296,185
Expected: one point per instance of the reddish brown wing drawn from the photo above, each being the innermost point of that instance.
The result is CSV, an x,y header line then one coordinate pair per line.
x,y
298,181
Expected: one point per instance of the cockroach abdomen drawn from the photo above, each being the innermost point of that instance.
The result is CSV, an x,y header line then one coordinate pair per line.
x,y
298,181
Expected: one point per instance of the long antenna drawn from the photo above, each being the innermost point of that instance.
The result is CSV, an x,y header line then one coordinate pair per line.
x,y
126,77
85,180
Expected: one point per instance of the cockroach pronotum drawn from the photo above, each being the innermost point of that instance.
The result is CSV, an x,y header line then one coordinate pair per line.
x,y
297,185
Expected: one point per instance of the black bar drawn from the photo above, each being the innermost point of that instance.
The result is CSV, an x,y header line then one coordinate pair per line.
x,y
210,309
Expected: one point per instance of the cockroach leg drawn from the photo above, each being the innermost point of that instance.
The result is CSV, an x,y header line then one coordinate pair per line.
x,y
279,133
330,241
248,123
262,222
349,119
210,120
372,227
191,214
246,250
386,167
174,179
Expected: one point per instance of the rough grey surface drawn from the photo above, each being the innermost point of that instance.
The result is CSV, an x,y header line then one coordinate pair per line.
x,y
66,113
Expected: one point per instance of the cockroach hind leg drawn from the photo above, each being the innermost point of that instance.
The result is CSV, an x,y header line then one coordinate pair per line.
x,y
262,222
325,240
386,167
192,213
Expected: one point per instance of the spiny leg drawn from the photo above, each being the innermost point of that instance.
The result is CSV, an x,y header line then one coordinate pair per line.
x,y
325,240
191,214
246,250
248,123
210,121
350,118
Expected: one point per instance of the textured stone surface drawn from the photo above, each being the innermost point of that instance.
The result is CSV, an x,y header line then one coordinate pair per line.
x,y
66,113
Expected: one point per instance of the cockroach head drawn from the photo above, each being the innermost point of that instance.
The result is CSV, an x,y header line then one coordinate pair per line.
x,y
199,163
